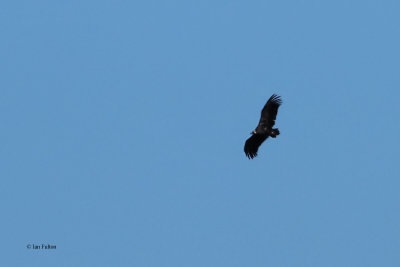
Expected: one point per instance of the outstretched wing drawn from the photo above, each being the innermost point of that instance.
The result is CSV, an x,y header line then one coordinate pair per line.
x,y
252,144
270,110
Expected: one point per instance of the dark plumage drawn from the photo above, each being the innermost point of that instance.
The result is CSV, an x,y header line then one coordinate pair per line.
x,y
264,128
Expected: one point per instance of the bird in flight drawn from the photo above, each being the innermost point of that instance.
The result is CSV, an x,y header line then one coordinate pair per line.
x,y
264,128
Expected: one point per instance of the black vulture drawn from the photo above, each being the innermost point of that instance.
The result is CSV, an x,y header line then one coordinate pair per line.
x,y
264,128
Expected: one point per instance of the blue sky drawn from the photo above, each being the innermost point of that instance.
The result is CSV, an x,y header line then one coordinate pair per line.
x,y
123,125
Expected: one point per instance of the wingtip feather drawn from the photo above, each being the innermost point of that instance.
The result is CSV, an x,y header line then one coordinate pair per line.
x,y
276,99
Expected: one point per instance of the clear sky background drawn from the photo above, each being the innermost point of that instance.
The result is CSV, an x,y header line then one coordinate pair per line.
x,y
123,125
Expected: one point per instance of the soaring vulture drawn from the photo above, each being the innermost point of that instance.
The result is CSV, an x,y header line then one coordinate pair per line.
x,y
264,128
